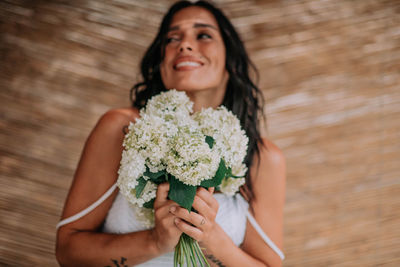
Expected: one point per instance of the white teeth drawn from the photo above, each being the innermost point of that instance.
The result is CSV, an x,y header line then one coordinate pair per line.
x,y
187,63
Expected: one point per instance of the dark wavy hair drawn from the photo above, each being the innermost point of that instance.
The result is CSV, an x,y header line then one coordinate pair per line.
x,y
242,96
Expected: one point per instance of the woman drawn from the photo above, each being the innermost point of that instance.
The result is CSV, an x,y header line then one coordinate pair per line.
x,y
196,50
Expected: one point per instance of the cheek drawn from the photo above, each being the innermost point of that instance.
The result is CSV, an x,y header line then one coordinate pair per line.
x,y
219,57
220,64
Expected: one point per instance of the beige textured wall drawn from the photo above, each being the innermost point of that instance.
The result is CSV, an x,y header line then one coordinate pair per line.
x,y
330,73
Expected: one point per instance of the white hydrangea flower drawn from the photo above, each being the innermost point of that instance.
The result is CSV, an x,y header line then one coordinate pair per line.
x,y
144,216
150,143
171,105
239,170
230,186
230,140
131,169
149,192
190,159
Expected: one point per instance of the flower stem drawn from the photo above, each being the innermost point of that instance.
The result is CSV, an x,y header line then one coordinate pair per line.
x,y
188,250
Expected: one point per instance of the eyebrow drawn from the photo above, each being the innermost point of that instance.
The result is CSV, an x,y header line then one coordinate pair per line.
x,y
196,25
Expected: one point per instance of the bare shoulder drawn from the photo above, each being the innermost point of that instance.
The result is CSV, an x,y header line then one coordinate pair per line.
x,y
127,113
269,165
107,136
117,118
112,124
271,152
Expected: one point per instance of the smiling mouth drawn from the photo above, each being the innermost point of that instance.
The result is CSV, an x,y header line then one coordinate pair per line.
x,y
187,65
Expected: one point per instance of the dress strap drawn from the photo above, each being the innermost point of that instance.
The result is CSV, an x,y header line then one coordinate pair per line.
x,y
264,235
88,209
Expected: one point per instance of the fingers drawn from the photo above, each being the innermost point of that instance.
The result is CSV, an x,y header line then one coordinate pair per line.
x,y
204,209
205,204
200,225
207,196
193,232
192,217
169,215
162,195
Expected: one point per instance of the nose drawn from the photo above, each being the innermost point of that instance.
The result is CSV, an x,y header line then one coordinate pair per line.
x,y
181,48
186,44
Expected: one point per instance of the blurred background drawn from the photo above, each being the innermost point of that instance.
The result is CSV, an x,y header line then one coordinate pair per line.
x,y
329,71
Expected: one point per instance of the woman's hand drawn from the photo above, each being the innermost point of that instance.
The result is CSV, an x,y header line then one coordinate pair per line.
x,y
201,224
165,233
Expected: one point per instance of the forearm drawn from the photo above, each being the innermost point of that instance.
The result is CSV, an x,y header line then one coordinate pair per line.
x,y
223,252
102,249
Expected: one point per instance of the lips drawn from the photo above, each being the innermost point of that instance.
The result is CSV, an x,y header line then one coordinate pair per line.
x,y
187,63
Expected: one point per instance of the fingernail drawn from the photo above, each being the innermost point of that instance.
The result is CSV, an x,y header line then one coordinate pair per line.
x,y
176,220
172,209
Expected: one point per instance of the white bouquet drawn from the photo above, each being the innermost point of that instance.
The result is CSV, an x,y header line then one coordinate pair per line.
x,y
171,143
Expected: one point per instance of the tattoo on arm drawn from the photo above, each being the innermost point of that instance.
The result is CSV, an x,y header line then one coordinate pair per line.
x,y
116,263
215,260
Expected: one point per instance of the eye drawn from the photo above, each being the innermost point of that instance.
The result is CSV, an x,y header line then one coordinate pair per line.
x,y
172,39
204,36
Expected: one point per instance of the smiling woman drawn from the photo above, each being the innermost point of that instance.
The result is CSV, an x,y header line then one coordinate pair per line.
x,y
197,51
194,50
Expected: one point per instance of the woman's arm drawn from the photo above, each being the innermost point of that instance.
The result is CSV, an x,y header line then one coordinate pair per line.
x,y
79,243
269,183
268,177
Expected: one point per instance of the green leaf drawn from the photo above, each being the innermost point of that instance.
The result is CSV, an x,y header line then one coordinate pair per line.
x,y
153,175
230,175
149,204
139,188
219,175
181,193
210,141
157,178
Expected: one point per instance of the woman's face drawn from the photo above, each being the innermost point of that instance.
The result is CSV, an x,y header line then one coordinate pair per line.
x,y
195,54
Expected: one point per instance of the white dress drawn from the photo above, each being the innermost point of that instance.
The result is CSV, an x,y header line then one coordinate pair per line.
x,y
232,217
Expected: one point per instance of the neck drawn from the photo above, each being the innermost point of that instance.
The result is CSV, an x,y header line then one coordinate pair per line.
x,y
204,99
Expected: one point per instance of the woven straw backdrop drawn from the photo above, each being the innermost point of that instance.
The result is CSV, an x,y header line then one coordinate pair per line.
x,y
329,71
